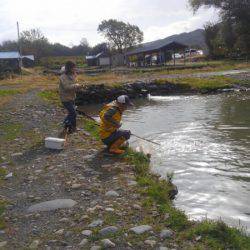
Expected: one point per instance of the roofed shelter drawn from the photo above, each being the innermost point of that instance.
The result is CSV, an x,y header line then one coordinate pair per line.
x,y
10,61
157,52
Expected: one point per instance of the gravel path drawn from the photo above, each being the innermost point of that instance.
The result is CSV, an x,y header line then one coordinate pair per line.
x,y
95,196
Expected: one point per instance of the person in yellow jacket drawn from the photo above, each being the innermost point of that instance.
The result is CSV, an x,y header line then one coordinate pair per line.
x,y
110,132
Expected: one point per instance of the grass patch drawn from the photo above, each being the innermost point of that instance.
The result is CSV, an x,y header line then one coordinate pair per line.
x,y
211,83
3,173
10,131
217,235
208,83
140,161
2,209
51,96
91,127
7,92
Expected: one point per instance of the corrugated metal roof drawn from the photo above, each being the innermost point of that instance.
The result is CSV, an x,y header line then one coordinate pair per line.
x,y
31,57
9,55
155,45
94,57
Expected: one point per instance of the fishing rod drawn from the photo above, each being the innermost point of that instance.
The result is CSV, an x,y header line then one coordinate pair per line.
x,y
91,118
146,139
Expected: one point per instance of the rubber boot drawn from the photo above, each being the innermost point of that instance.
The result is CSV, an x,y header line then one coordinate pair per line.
x,y
114,148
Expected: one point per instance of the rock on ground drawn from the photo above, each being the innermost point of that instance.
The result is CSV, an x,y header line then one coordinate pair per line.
x,y
52,205
111,193
96,223
108,230
107,243
166,233
141,229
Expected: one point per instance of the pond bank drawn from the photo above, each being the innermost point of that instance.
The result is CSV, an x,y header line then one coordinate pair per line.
x,y
101,93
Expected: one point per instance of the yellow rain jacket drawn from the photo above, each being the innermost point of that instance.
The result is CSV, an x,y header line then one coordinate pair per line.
x,y
110,116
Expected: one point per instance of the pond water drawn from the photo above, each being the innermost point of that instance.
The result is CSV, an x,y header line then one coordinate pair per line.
x,y
205,141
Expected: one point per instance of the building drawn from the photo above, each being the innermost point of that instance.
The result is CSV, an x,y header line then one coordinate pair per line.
x,y
154,53
102,59
28,61
10,62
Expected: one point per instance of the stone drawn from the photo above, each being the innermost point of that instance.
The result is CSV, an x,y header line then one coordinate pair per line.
x,y
198,238
111,193
95,248
84,242
8,176
108,230
166,216
64,220
87,233
68,234
59,232
17,154
57,243
109,209
166,233
140,229
34,244
163,248
96,223
136,206
76,186
107,243
52,205
3,244
132,183
151,243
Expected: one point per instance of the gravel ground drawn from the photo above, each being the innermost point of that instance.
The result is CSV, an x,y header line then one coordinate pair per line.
x,y
80,173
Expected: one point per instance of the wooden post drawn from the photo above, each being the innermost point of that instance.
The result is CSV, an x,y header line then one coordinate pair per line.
x,y
19,48
174,58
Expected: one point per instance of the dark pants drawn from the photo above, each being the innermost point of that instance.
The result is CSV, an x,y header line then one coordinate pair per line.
x,y
115,136
70,120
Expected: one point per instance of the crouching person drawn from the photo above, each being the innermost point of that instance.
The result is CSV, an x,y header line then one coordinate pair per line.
x,y
67,92
110,124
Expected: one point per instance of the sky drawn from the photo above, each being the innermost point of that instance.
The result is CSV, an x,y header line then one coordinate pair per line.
x,y
67,22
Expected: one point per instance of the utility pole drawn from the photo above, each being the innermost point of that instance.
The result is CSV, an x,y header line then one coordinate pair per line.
x,y
19,48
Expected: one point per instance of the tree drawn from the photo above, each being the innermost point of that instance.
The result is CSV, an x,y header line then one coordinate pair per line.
x,y
9,46
34,42
101,47
120,35
235,17
211,33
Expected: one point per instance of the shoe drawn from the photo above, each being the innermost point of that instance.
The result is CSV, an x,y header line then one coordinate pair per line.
x,y
72,130
114,148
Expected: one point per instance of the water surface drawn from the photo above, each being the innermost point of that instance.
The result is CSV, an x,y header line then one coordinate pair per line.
x,y
205,141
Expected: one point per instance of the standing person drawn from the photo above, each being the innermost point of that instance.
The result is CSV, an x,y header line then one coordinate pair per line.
x,y
111,116
67,92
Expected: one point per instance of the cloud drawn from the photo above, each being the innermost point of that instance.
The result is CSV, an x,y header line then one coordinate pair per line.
x,y
187,24
67,21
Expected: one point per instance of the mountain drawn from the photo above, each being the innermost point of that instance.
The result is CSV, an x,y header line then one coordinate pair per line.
x,y
194,39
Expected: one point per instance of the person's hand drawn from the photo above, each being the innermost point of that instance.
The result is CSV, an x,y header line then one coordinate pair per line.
x,y
78,86
119,125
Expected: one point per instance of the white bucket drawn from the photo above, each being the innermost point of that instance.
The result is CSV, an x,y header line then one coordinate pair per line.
x,y
54,143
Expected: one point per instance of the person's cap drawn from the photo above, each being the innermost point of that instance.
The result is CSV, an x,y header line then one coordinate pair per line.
x,y
124,99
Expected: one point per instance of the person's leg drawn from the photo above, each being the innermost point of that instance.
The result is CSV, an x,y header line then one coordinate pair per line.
x,y
70,120
116,140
